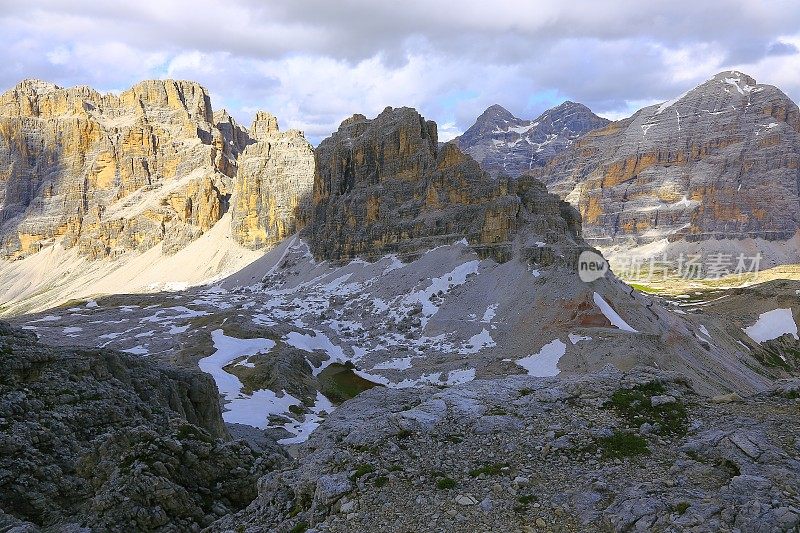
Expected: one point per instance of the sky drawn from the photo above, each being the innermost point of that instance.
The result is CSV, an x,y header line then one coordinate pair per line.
x,y
313,63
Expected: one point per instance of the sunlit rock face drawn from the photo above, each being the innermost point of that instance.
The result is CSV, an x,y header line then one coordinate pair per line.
x,y
718,162
153,165
273,184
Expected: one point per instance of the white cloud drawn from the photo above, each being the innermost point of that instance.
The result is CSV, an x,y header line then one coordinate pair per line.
x,y
316,62
448,131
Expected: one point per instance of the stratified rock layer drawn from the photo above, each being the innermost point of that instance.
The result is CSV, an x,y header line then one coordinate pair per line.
x,y
720,161
273,184
383,186
506,145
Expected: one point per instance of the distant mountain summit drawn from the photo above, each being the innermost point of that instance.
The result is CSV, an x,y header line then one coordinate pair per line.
x,y
505,144
717,162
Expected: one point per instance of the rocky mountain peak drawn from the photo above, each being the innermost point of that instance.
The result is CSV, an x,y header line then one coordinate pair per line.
x,y
273,184
35,86
505,144
495,113
111,174
383,186
735,77
264,125
716,162
179,95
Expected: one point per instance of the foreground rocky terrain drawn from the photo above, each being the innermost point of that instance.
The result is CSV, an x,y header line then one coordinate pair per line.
x,y
109,442
609,452
712,170
114,442
506,145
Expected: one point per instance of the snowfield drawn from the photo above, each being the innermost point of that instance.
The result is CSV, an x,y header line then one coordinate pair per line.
x,y
545,362
771,325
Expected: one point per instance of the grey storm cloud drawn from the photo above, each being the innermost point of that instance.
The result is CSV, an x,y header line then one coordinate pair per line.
x,y
314,62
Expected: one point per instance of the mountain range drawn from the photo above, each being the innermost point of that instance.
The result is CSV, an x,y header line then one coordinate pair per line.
x,y
266,336
505,144
716,168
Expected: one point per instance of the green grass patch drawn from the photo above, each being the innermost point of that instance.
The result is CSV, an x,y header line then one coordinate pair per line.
x,y
634,407
380,481
445,483
300,527
362,470
644,288
681,507
488,470
623,444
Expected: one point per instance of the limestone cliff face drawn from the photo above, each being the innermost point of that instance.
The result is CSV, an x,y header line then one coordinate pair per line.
x,y
108,173
273,184
721,161
383,186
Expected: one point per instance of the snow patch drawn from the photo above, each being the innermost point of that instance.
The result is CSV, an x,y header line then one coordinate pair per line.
x,y
771,325
478,342
489,314
575,339
137,350
545,362
612,315
228,349
312,420
318,341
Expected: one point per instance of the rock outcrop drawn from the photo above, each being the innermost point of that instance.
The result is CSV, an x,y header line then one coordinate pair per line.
x,y
718,162
273,184
114,442
385,186
506,145
635,451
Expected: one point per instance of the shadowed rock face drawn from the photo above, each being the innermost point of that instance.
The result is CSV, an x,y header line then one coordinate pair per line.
x,y
110,174
383,186
720,161
506,145
114,442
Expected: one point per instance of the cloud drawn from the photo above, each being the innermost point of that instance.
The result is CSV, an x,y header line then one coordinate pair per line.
x,y
315,62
